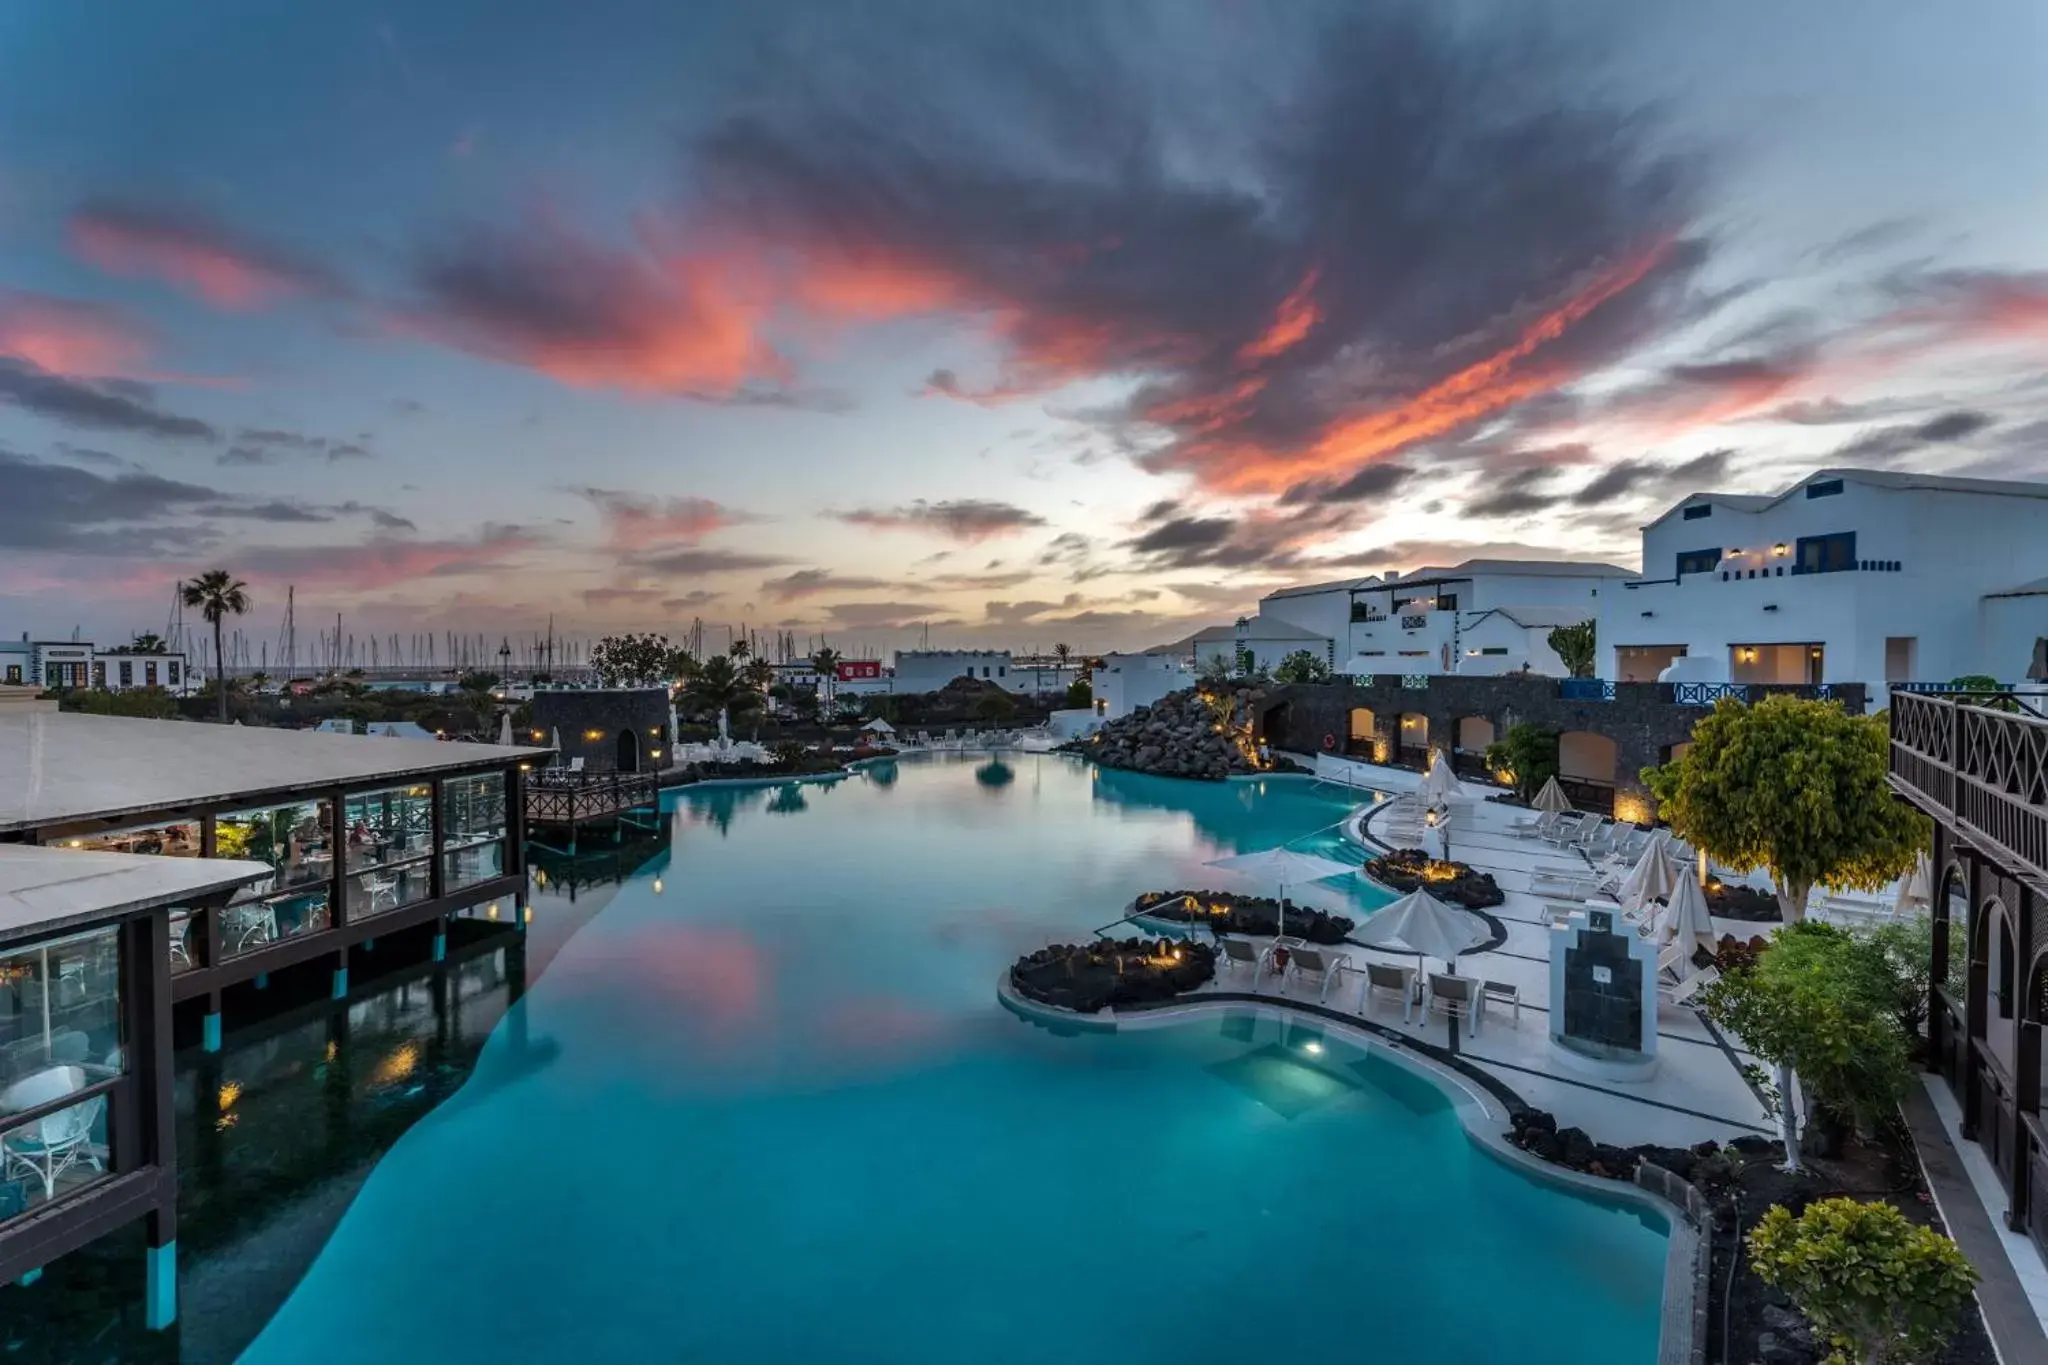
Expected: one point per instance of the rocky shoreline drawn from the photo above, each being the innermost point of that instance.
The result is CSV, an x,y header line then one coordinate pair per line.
x,y
1090,977
1197,734
1226,912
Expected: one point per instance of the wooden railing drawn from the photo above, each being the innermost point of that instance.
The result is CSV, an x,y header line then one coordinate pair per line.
x,y
1979,762
558,798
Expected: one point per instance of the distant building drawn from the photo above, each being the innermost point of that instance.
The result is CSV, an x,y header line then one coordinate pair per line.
x,y
79,663
1850,575
858,670
1125,682
928,670
1484,616
1258,641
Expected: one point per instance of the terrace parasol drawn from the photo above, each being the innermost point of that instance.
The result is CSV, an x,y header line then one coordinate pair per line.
x,y
1286,866
1552,800
1420,923
1439,783
1653,878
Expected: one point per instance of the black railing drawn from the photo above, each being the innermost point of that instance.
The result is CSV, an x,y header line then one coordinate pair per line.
x,y
1978,761
1589,793
555,797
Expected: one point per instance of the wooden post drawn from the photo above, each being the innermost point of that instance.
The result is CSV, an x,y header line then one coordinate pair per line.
x,y
1937,907
2027,1091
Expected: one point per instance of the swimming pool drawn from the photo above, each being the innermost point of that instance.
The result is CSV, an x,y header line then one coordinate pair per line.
x,y
764,1107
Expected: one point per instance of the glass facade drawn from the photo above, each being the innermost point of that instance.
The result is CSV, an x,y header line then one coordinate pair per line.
x,y
472,829
390,848
60,1034
298,841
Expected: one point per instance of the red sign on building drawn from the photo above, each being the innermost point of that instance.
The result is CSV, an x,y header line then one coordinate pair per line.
x,y
850,669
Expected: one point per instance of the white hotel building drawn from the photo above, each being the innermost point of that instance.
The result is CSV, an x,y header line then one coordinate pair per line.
x,y
1850,575
79,663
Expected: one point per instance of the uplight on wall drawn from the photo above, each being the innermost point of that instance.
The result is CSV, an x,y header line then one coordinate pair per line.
x,y
593,734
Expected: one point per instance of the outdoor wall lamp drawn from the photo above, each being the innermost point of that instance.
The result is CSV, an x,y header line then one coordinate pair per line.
x,y
1779,549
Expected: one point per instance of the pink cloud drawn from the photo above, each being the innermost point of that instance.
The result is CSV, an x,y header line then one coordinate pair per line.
x,y
197,255
69,337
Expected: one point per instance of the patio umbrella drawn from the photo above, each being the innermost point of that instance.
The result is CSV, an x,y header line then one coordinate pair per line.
x,y
1552,800
505,728
1652,878
1686,915
880,726
1439,783
1917,889
1285,865
2038,669
1420,923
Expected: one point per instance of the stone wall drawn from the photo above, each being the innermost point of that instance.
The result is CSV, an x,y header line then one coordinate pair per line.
x,y
590,723
1639,718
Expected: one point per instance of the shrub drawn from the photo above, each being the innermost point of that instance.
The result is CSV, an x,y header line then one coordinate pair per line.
x,y
1882,1290
1302,666
1079,695
1527,754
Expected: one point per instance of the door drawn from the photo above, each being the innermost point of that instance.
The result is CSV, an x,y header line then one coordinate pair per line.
x,y
1901,658
629,751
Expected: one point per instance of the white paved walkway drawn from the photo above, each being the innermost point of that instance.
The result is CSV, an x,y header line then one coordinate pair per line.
x,y
1698,1091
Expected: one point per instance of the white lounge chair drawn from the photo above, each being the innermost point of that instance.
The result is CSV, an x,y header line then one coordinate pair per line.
x,y
1566,886
1455,996
1238,952
53,1144
1682,992
1503,991
1326,967
1383,980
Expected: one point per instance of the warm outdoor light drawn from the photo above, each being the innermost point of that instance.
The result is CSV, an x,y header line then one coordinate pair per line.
x,y
657,886
1312,1047
654,753
1779,549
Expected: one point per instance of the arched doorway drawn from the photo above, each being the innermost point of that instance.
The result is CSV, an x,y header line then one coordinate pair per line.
x,y
1361,739
1586,766
1412,740
628,759
1469,739
1671,753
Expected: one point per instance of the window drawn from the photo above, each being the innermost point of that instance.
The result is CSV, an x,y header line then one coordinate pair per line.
x,y
1698,511
1698,561
1447,601
99,673
1826,554
149,675
298,841
61,1012
1002,672
127,673
14,675
173,667
389,847
1826,488
1494,649
472,829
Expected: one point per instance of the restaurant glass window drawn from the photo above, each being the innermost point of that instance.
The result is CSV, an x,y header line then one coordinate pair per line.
x,y
297,841
472,829
173,839
60,1034
390,848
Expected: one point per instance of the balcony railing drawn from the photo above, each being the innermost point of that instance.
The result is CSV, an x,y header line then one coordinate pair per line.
x,y
1707,693
1585,689
1979,761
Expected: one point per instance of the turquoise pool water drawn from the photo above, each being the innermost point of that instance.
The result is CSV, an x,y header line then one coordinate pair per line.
x,y
764,1107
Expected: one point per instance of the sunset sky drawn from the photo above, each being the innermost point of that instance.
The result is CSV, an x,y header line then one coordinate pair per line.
x,y
1074,322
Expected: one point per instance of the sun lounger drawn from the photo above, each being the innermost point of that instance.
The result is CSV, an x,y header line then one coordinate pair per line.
x,y
1327,968
1570,886
1503,992
1383,981
1683,992
1455,996
1238,952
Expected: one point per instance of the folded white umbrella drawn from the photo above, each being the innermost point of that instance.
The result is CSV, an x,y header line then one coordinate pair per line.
x,y
1916,892
1420,923
1652,878
505,727
1439,783
1685,917
1552,800
1284,865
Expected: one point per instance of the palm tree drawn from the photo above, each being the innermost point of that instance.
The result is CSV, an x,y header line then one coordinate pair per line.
x,y
825,663
478,689
218,594
1062,654
718,686
148,642
759,673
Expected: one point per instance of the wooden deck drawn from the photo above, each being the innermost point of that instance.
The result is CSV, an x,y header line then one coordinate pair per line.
x,y
561,804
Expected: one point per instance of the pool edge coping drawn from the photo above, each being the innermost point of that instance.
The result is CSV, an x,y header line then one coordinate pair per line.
x,y
1681,1337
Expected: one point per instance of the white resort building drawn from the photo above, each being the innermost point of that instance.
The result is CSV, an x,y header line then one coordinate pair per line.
x,y
1125,682
80,663
1850,575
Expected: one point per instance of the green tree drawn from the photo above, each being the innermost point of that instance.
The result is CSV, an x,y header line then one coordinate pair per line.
x,y
1881,1289
148,642
1080,695
149,703
1983,683
477,689
1796,787
1907,946
1527,756
1575,646
759,673
632,660
718,689
825,663
218,594
996,706
1819,1005
1302,666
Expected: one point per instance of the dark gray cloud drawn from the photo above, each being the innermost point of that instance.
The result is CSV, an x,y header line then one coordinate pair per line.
x,y
1384,199
348,450
965,519
88,455
1373,481
1633,479
54,507
705,561
1276,541
882,615
1522,493
813,582
1895,442
99,405
244,455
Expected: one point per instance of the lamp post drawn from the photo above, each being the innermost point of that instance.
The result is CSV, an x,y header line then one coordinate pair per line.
x,y
505,660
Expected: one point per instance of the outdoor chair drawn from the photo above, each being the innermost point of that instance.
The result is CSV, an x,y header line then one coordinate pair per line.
x,y
1504,992
1682,992
1526,828
1238,952
1384,980
1566,886
1327,968
53,1144
1456,997
1670,960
